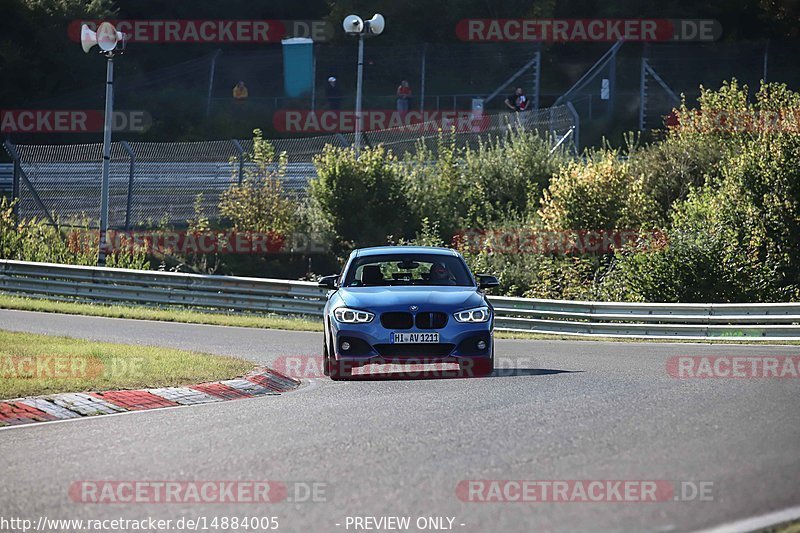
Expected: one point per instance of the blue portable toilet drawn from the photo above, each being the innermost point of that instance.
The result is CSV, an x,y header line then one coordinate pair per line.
x,y
298,66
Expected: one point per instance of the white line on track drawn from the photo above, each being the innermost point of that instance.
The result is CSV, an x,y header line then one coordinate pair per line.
x,y
747,525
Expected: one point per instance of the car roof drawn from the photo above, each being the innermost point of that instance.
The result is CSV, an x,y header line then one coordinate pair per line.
x,y
383,250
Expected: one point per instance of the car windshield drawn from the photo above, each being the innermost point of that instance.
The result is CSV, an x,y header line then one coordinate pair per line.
x,y
408,269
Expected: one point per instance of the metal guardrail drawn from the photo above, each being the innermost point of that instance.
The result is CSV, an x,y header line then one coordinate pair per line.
x,y
775,321
160,289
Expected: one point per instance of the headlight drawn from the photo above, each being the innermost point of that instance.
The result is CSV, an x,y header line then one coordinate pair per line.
x,y
478,314
346,315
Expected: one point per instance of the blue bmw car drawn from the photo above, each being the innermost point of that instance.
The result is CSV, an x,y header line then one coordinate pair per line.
x,y
407,305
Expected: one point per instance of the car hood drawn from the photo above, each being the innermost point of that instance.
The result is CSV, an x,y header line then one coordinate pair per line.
x,y
400,298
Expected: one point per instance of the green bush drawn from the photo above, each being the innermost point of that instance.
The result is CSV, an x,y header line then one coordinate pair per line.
x,y
723,185
259,203
435,184
360,199
671,168
733,242
537,275
731,115
507,175
74,244
463,188
597,194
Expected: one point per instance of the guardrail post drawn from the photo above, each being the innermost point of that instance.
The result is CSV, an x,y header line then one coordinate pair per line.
x,y
131,171
709,313
240,151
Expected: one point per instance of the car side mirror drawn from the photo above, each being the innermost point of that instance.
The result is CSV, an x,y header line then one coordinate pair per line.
x,y
485,281
328,282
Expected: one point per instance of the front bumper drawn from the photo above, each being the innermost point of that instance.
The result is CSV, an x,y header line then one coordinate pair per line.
x,y
371,343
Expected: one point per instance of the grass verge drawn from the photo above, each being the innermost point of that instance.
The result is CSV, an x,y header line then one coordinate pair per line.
x,y
32,364
287,323
791,527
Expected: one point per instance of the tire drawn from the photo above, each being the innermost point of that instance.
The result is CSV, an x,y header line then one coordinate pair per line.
x,y
478,367
483,367
332,368
338,370
326,360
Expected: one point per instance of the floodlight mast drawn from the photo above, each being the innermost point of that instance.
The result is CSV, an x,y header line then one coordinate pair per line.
x,y
101,257
107,38
354,25
359,85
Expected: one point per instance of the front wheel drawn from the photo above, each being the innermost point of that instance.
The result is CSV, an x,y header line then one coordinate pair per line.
x,y
339,370
336,370
326,359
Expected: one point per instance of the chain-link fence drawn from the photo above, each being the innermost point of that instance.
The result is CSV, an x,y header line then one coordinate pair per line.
x,y
670,71
195,96
151,183
614,88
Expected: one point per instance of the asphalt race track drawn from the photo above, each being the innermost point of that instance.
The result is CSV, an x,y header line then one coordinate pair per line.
x,y
555,410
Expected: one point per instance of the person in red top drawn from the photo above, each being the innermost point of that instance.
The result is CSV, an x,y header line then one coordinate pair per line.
x,y
403,95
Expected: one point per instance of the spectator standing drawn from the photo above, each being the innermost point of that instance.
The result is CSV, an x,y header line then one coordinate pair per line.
x,y
403,96
332,93
240,92
517,101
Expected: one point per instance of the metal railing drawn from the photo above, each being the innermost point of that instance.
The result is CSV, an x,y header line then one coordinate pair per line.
x,y
775,321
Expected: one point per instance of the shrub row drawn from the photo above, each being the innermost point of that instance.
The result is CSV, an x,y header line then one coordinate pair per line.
x,y
715,202
711,209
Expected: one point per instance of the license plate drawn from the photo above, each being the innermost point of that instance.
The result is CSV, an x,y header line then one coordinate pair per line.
x,y
409,338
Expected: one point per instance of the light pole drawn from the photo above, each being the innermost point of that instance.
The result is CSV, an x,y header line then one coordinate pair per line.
x,y
107,38
355,25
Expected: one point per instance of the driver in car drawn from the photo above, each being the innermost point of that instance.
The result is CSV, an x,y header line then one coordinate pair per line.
x,y
440,275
